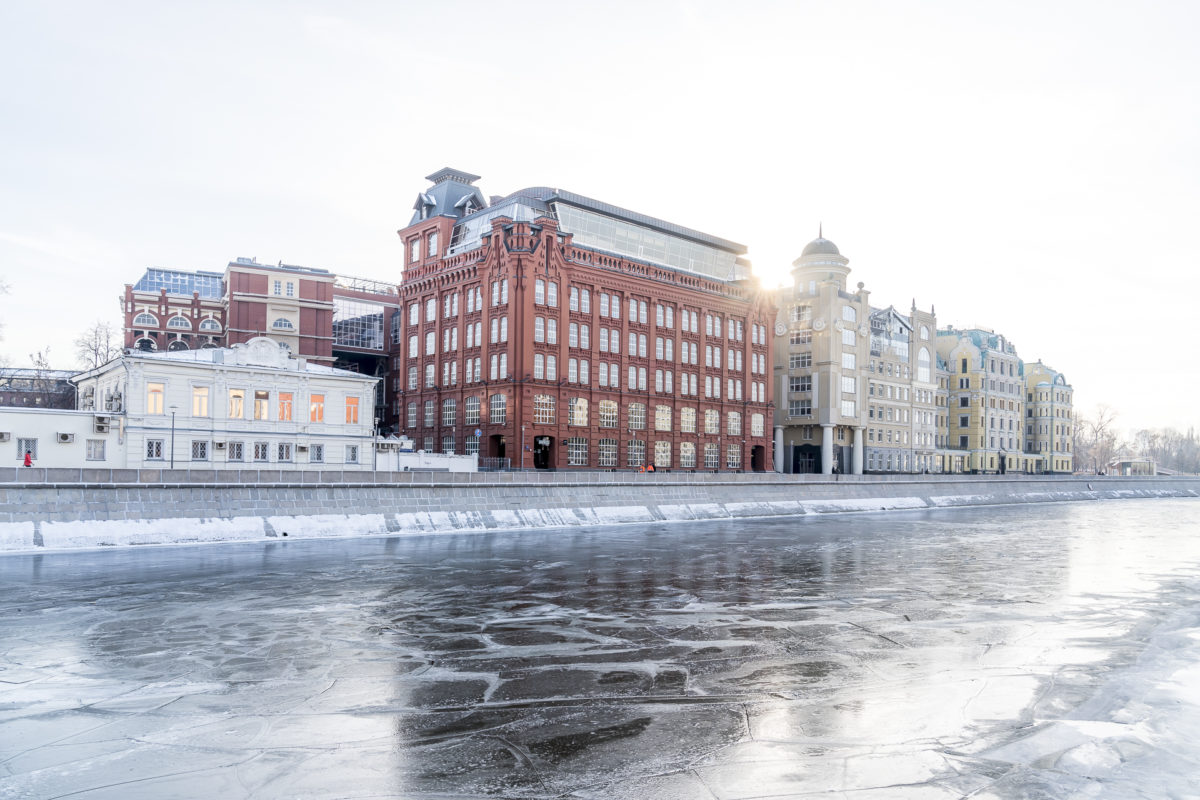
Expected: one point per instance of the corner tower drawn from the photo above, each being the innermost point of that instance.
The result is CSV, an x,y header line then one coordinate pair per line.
x,y
822,339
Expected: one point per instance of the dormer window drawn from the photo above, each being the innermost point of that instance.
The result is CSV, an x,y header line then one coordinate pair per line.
x,y
468,205
424,205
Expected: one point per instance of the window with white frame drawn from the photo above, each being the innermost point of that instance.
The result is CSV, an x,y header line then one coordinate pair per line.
x,y
262,451
636,416
498,409
351,454
799,360
733,423
577,451
235,451
543,409
607,453
687,455
635,453
199,450
608,413
316,454
471,411
662,455
733,456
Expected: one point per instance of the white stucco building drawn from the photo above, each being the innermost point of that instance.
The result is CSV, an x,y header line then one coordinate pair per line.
x,y
252,405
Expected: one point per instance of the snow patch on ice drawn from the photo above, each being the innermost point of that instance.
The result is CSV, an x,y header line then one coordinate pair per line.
x,y
16,536
79,534
327,526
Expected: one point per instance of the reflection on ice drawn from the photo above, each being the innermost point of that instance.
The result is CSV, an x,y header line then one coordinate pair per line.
x,y
1016,652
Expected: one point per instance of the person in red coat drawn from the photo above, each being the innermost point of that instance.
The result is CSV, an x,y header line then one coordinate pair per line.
x,y
28,459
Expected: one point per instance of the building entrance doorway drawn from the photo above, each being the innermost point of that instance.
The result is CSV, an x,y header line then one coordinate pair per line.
x,y
758,458
496,446
806,458
543,452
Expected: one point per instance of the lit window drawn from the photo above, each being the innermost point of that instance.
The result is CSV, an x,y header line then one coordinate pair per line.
x,y
237,399
316,408
285,406
199,401
262,405
154,398
351,410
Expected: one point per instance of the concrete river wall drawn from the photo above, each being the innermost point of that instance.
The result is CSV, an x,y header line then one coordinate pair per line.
x,y
61,509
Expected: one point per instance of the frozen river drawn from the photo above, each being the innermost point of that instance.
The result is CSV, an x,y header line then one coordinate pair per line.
x,y
1021,652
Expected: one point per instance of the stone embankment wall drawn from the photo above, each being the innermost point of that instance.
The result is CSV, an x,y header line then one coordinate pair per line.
x,y
60,509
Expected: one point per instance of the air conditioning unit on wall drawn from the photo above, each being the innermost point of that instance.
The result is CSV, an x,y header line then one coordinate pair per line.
x,y
5,436
100,424
301,448
66,438
218,445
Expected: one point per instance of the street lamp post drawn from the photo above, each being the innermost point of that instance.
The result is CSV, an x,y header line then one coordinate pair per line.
x,y
173,410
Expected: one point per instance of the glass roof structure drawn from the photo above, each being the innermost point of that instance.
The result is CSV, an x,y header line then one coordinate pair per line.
x,y
210,285
607,228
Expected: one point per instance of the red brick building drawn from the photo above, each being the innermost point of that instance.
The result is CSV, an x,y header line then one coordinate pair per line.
x,y
572,333
324,317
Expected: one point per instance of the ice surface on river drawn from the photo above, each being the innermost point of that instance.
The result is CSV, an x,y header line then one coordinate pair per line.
x,y
1017,652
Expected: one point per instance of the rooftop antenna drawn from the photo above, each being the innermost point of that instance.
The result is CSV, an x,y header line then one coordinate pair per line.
x,y
820,230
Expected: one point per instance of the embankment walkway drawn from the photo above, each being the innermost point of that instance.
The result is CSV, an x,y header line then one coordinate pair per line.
x,y
62,509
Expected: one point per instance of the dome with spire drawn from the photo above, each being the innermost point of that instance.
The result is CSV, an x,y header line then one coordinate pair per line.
x,y
820,246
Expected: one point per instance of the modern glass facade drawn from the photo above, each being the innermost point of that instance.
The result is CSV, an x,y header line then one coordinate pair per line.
x,y
357,324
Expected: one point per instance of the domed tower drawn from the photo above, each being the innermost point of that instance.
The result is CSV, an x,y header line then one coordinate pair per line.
x,y
820,261
822,352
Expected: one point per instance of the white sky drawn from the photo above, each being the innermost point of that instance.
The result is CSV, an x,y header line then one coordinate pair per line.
x,y
1030,167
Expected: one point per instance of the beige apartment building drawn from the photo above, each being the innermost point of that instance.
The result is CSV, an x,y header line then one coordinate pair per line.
x,y
863,389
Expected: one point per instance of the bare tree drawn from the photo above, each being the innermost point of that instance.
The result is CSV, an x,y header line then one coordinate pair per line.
x,y
1096,439
97,345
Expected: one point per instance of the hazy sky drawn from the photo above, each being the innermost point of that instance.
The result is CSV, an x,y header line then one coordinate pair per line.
x,y
1027,167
